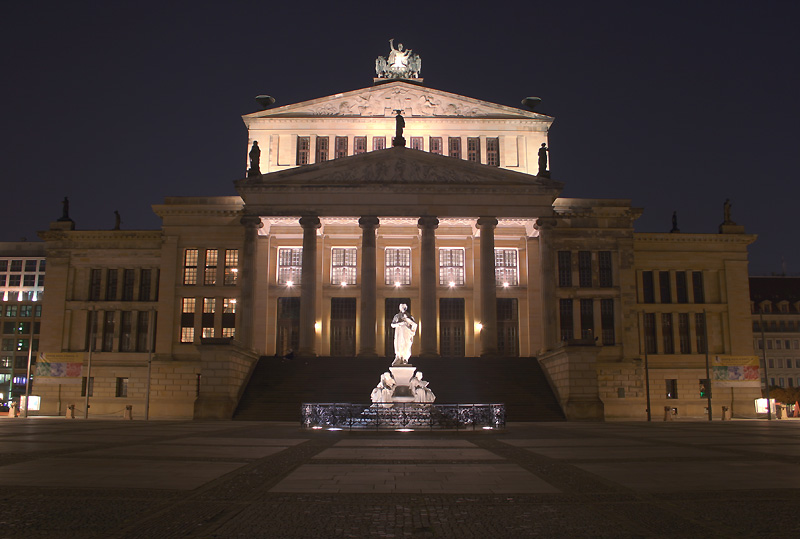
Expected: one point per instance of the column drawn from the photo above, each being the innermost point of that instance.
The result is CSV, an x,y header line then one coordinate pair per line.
x,y
488,287
549,302
308,287
369,286
427,286
247,278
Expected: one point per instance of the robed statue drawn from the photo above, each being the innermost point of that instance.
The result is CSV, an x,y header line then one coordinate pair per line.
x,y
404,329
255,161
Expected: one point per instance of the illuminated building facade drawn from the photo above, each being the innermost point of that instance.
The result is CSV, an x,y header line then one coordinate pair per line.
x,y
334,227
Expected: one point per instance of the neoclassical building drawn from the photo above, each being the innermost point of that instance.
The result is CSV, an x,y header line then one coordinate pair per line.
x,y
334,227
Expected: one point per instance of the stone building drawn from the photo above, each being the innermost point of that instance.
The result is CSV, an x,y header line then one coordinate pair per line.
x,y
775,304
334,227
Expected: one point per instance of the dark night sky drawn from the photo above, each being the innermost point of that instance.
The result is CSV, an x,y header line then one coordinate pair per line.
x,y
675,105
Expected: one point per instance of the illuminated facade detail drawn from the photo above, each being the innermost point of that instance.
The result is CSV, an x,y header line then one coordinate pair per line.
x,y
451,267
343,265
397,267
290,265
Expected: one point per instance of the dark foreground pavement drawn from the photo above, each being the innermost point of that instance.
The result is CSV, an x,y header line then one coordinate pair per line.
x,y
74,478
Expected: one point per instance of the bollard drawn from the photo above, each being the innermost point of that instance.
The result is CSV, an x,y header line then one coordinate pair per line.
x,y
724,413
128,412
668,413
70,412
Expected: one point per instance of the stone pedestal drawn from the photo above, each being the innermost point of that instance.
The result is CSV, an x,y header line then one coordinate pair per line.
x,y
402,376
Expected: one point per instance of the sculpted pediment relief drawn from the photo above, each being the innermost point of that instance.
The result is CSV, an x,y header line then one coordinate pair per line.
x,y
413,100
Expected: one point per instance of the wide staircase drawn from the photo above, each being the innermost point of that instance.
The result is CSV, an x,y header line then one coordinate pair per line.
x,y
278,386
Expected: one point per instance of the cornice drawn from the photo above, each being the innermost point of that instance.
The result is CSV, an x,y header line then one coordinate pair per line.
x,y
667,237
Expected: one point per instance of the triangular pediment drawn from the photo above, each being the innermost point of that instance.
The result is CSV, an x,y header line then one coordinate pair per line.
x,y
400,181
381,100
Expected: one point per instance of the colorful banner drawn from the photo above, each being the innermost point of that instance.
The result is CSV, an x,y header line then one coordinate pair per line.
x,y
735,371
59,368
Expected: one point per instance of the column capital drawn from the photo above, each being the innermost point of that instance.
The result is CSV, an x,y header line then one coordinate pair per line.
x,y
428,221
251,221
369,221
310,222
545,223
486,222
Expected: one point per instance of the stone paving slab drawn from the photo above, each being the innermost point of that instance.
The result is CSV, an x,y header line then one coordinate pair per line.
x,y
419,442
406,453
413,478
705,475
574,442
185,451
11,447
230,441
625,452
100,473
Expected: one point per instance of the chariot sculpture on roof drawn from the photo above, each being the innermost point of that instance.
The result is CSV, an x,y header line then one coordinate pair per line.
x,y
401,64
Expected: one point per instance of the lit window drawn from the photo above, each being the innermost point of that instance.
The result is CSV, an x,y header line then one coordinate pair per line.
x,y
505,267
229,305
451,267
290,264
435,145
190,267
359,145
228,332
187,334
397,269
378,143
231,266
343,265
210,275
208,333
209,305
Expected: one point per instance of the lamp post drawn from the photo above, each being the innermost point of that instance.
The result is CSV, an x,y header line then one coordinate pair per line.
x,y
646,374
92,320
708,375
28,373
766,371
150,328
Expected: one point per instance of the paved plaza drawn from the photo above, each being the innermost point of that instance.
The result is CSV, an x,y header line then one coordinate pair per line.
x,y
161,479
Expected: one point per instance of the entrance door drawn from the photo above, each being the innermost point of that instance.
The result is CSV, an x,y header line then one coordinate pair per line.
x,y
287,330
392,308
507,327
343,327
451,327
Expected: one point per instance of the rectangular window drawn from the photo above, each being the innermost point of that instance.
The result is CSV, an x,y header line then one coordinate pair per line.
x,y
397,266
648,290
108,331
188,308
30,266
290,263
343,265
145,284
672,388
359,145
667,335
126,332
14,280
587,319
228,317
340,148
187,334
11,310
665,290
29,280
2,280
493,152
39,280
322,150
416,143
564,269
565,319
210,273
607,321
16,265
700,329
683,333
208,333
435,145
231,266
697,287
474,149
143,331
303,150
111,285
378,143
190,267
3,265
605,274
209,305
25,311
454,147
505,267
650,333
128,276
91,386
451,267
585,269
122,387
680,287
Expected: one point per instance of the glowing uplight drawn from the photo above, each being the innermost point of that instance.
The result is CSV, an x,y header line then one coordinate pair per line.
x,y
505,285
316,427
404,430
487,428
478,326
452,284
397,284
344,283
289,283
334,428
318,326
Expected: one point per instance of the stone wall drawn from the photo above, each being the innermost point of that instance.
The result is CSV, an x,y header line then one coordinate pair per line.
x,y
572,373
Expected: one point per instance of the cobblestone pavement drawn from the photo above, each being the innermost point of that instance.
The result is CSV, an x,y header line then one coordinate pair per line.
x,y
164,479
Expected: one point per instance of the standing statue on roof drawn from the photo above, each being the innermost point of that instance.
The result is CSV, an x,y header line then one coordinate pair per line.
x,y
401,64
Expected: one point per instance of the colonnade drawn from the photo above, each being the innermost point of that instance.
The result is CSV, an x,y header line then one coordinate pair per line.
x,y
369,289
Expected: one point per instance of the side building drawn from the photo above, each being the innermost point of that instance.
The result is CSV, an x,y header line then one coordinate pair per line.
x,y
775,304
